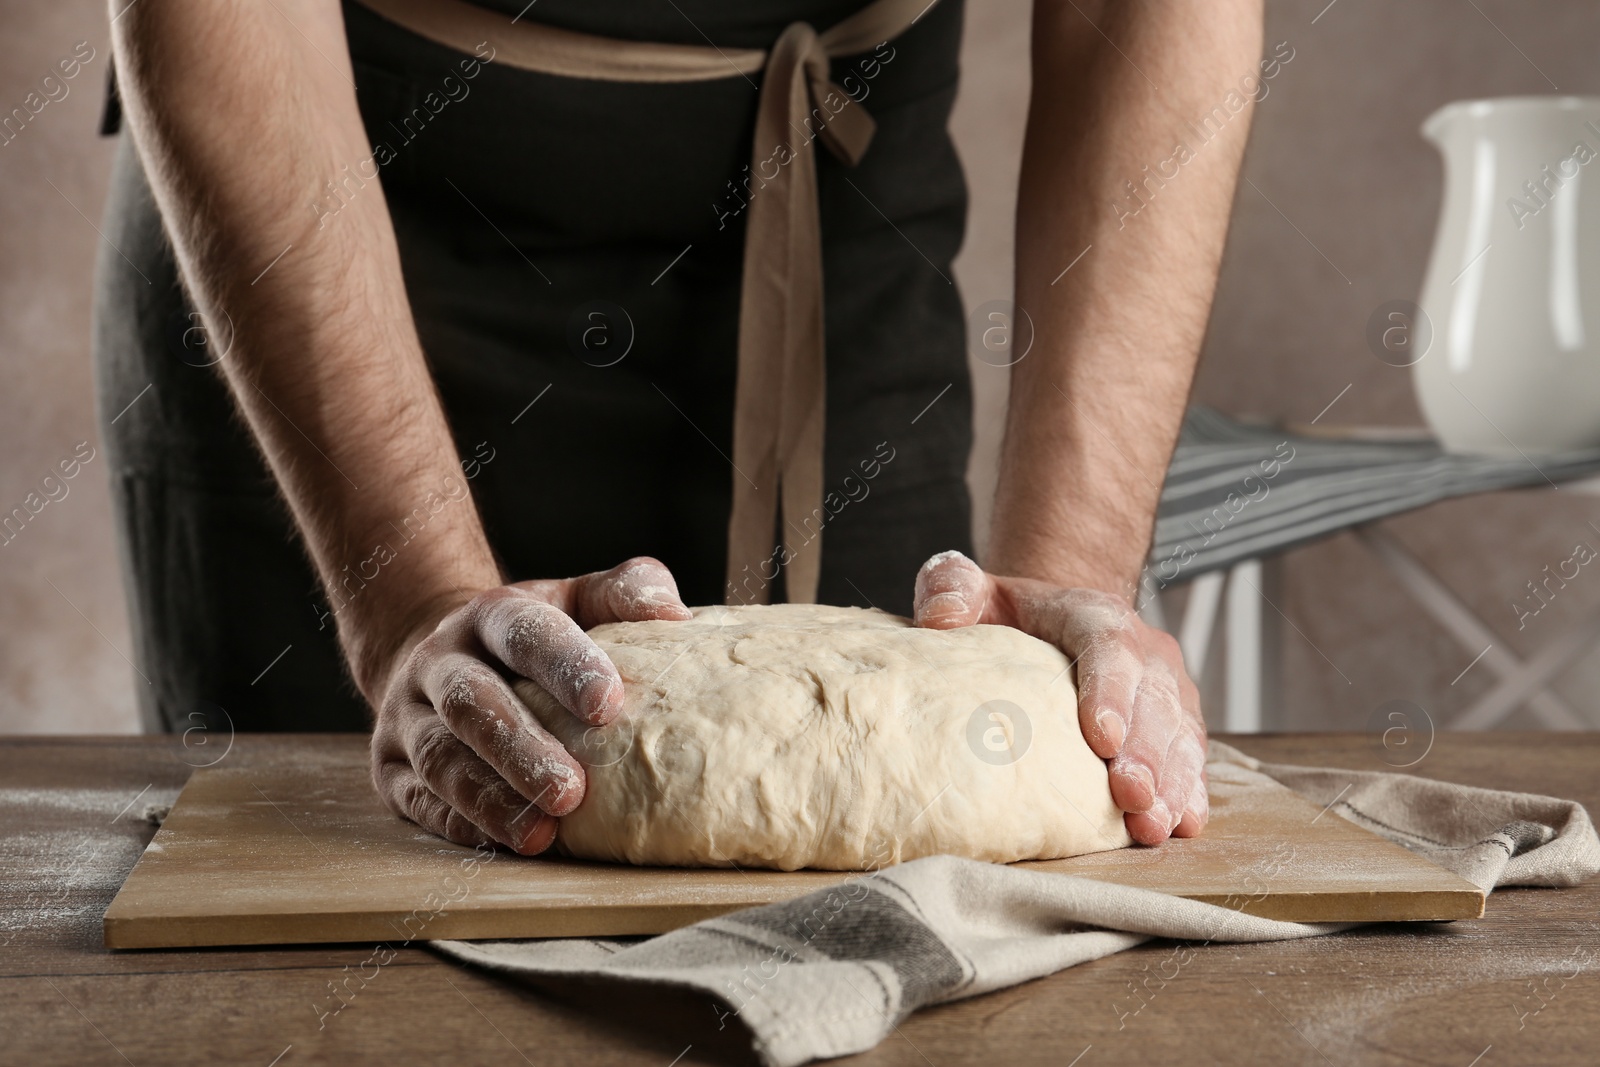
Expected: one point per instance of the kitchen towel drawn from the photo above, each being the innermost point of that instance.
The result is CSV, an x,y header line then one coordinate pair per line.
x,y
833,972
1235,491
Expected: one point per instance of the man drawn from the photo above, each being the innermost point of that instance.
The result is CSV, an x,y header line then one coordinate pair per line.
x,y
397,250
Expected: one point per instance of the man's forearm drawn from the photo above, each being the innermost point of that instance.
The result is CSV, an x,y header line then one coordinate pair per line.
x,y
1132,151
242,112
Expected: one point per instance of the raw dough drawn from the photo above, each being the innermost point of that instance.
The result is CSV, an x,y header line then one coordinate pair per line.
x,y
794,736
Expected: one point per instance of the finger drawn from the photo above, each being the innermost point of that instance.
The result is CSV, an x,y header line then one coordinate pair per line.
x,y
1182,767
403,790
454,773
1136,773
546,645
1196,812
1110,668
640,590
479,709
951,591
1197,807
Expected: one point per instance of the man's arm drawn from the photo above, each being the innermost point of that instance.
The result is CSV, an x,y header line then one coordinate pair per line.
x,y
1095,407
1118,186
242,112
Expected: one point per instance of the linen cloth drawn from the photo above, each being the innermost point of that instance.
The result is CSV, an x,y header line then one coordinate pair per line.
x,y
832,972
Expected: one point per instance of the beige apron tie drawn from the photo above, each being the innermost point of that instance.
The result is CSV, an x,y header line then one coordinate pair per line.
x,y
779,411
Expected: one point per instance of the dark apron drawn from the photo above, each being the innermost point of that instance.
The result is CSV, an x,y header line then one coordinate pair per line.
x,y
524,206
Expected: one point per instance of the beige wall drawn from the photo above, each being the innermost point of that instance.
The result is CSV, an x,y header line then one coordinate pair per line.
x,y
63,635
1335,148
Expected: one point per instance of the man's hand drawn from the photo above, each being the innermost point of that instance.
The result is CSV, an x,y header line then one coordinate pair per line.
x,y
455,751
1136,705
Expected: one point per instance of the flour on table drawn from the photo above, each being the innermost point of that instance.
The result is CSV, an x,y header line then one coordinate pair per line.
x,y
792,736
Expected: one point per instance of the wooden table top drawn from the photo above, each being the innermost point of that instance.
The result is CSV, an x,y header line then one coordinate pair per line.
x,y
1521,985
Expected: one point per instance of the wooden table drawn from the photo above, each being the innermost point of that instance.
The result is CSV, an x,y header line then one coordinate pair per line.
x,y
1520,986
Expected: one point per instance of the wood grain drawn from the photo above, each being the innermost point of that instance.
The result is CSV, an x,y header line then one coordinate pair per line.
x,y
1523,982
293,856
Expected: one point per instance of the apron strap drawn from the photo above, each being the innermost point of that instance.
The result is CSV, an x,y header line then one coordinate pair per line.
x,y
779,414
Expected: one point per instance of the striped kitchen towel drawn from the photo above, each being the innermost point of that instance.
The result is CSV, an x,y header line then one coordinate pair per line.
x,y
1236,491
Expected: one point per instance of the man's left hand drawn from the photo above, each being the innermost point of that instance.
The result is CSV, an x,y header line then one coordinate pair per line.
x,y
1136,704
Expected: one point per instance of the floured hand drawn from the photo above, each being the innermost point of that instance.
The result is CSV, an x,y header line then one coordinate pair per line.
x,y
453,749
1136,704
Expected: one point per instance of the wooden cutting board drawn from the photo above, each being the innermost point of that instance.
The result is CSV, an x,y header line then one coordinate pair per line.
x,y
274,856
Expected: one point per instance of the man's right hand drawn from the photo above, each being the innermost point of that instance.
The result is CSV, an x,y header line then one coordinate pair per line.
x,y
455,751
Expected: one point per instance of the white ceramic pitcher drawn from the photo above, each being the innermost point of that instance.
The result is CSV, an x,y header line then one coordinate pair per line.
x,y
1512,291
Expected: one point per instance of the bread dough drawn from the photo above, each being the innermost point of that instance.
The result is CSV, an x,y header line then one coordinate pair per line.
x,y
792,736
